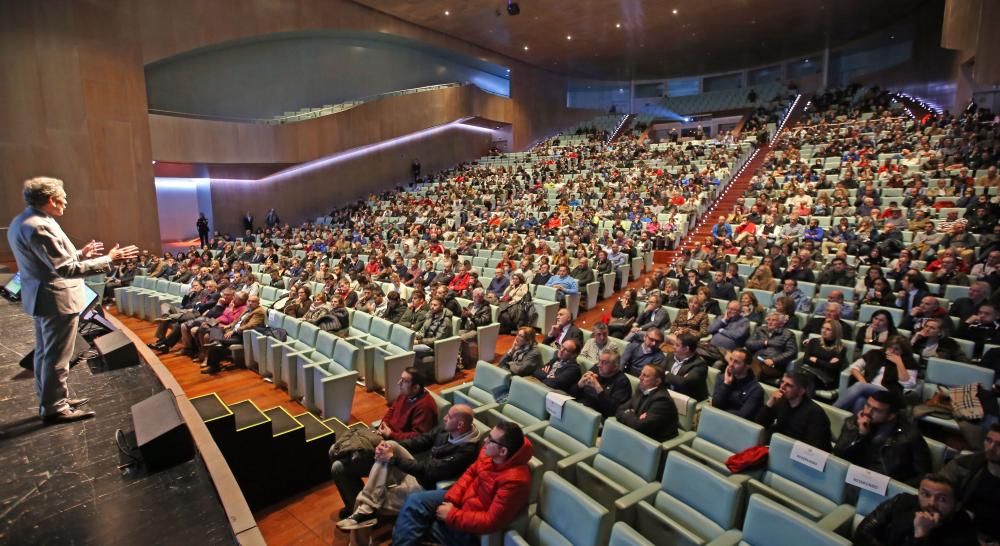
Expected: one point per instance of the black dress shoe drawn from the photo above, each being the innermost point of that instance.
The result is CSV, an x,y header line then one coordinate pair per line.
x,y
76,402
68,416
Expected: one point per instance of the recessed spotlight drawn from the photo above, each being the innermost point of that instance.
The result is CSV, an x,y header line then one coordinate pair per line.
x,y
674,11
526,48
568,37
446,12
618,25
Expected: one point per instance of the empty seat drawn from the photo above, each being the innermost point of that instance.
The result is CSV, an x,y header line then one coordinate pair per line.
x,y
563,515
488,383
525,405
719,436
573,431
768,523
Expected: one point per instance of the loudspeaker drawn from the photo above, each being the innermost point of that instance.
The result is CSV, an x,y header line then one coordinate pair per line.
x,y
116,350
161,435
81,345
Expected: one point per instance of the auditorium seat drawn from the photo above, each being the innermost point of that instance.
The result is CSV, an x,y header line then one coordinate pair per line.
x,y
623,464
574,431
768,523
525,406
563,515
817,495
488,383
719,436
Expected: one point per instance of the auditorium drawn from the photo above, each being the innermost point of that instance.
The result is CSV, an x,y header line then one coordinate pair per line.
x,y
498,272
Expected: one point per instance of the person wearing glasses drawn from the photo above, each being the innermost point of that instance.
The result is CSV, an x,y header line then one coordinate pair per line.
x,y
487,498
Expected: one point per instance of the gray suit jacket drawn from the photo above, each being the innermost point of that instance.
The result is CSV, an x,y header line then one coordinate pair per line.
x,y
51,268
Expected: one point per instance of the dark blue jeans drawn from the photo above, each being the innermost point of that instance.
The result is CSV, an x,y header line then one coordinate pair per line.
x,y
417,522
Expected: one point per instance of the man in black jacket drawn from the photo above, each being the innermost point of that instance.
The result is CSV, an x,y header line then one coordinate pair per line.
x,y
738,392
977,477
604,387
687,373
791,412
443,453
881,438
930,517
562,372
651,410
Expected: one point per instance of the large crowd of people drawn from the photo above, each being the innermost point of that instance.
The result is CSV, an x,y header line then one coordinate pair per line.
x,y
860,211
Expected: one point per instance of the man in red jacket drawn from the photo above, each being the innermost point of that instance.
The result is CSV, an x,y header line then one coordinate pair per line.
x,y
411,414
486,499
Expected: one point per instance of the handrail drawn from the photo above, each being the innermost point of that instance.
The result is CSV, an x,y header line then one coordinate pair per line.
x,y
312,113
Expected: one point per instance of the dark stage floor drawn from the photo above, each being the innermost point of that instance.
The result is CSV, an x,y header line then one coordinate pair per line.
x,y
61,484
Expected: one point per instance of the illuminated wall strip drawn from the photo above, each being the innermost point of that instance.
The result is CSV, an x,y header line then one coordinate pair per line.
x,y
321,163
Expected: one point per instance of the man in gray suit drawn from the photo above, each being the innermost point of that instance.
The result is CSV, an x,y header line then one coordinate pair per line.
x,y
52,272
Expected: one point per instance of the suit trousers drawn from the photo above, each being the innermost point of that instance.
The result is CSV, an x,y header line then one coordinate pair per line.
x,y
55,337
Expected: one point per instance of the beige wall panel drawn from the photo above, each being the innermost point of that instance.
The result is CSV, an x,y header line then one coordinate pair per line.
x,y
960,29
186,140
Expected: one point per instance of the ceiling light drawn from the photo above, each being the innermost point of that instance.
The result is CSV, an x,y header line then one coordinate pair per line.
x,y
446,12
674,11
618,25
568,37
526,48
512,8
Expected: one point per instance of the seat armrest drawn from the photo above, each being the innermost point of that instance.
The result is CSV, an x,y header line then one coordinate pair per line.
x,y
625,506
566,467
757,486
838,521
477,411
683,438
448,394
718,466
731,537
513,538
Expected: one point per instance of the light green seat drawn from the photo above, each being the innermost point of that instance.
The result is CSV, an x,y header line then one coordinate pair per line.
x,y
563,516
304,341
525,406
329,384
818,496
720,434
768,523
625,461
572,432
868,501
391,359
692,503
488,383
254,341
947,374
324,347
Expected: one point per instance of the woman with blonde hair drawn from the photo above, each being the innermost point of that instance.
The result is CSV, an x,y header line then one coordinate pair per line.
x,y
762,279
825,356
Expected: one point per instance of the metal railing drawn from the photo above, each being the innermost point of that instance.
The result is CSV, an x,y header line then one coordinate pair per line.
x,y
310,113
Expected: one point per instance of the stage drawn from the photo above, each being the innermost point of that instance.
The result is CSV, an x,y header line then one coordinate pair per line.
x,y
61,483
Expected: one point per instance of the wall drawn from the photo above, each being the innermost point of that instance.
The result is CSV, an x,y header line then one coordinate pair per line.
x,y
176,26
315,189
264,77
179,200
73,106
187,140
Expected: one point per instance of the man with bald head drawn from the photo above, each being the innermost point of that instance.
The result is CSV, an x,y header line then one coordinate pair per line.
x,y
835,296
832,311
416,464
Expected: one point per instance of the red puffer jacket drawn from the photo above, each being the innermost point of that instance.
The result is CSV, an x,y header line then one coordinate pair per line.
x,y
488,497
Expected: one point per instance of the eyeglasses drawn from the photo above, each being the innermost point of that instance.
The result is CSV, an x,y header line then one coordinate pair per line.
x,y
490,440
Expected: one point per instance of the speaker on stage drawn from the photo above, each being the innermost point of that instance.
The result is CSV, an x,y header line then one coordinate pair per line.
x,y
116,350
161,435
80,346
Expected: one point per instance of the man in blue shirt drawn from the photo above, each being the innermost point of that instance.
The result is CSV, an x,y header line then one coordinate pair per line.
x,y
722,230
563,282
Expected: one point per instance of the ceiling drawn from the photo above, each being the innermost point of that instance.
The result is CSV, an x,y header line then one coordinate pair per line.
x,y
647,39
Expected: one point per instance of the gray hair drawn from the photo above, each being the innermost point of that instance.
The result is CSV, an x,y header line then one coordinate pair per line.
x,y
612,353
599,327
37,191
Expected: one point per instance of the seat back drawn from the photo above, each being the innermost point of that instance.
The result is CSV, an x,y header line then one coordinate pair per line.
x,y
291,325
402,337
308,333
380,328
868,501
361,321
767,522
953,374
268,293
528,397
783,473
577,422
566,515
492,379
686,409
348,356
696,487
629,448
326,343
547,293
728,431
